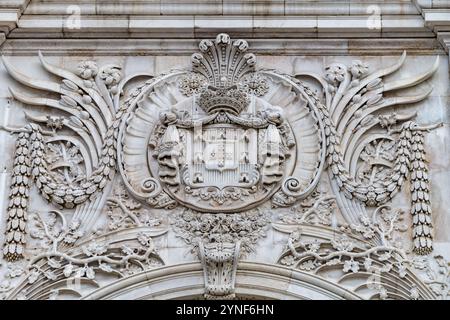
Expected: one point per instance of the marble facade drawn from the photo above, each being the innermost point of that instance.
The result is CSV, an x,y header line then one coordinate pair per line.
x,y
103,196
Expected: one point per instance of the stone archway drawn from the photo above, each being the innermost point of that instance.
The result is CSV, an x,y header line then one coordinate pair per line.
x,y
253,281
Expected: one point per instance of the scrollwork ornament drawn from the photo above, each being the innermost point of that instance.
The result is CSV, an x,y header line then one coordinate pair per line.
x,y
291,191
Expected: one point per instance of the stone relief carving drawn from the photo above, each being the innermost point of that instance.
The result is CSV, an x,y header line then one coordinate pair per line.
x,y
343,254
64,255
246,227
219,264
214,146
437,274
352,97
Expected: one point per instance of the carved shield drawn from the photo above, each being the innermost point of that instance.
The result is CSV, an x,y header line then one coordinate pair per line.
x,y
222,139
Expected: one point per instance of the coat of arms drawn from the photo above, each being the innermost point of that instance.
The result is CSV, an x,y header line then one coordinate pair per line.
x,y
225,147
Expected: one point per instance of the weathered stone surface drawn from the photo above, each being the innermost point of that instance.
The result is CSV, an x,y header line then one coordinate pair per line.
x,y
138,155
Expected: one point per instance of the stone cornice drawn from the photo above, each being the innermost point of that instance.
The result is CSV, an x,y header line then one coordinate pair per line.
x,y
10,12
324,46
202,18
436,15
341,26
180,19
222,7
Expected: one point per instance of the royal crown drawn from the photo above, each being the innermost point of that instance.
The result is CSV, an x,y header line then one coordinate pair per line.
x,y
232,100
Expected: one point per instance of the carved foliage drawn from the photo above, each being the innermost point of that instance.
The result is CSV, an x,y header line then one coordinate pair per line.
x,y
246,227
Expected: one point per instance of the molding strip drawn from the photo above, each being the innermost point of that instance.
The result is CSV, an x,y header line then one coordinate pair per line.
x,y
111,47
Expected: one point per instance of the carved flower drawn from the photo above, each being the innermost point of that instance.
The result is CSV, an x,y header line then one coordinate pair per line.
x,y
205,226
188,216
334,73
127,250
144,239
351,265
87,69
110,75
74,234
288,260
365,230
367,263
343,244
236,226
255,84
150,222
246,227
54,122
386,121
313,246
94,249
68,269
359,69
308,265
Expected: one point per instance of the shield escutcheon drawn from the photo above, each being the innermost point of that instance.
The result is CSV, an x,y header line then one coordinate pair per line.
x,y
221,156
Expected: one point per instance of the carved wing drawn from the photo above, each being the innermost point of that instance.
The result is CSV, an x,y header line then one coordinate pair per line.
x,y
360,96
87,103
355,100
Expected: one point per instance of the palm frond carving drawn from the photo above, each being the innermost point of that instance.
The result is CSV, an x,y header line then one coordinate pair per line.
x,y
354,100
89,102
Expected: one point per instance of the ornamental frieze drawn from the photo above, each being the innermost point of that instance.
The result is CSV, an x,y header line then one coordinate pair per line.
x,y
211,157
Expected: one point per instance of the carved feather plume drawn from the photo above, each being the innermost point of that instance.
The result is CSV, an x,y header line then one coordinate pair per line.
x,y
89,105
